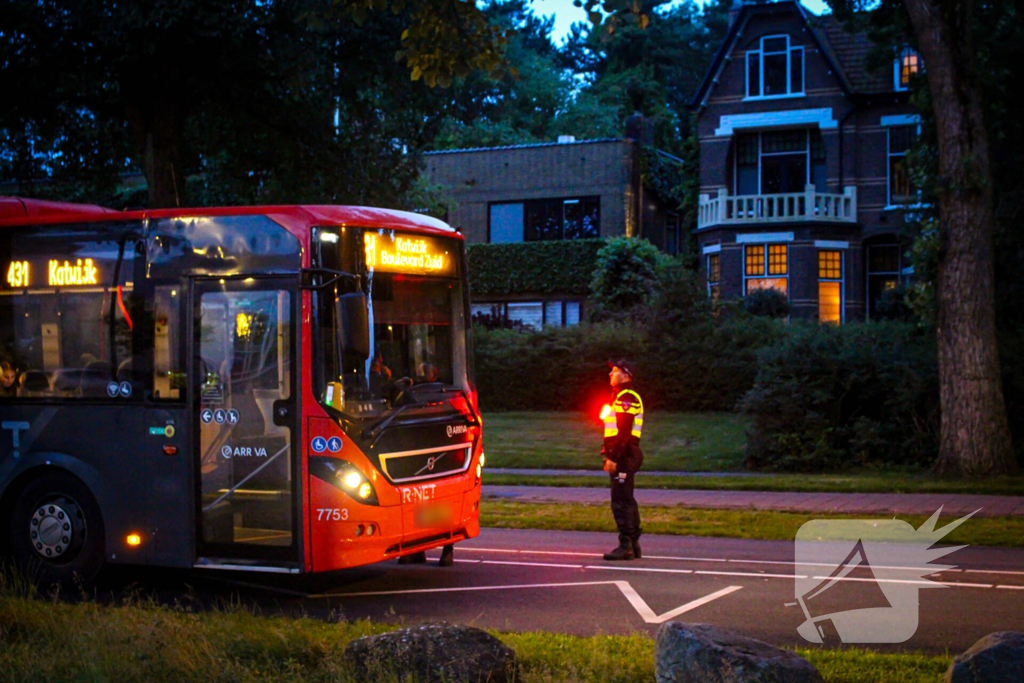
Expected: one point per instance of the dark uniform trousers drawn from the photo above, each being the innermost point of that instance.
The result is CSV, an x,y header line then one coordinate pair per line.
x,y
624,507
623,427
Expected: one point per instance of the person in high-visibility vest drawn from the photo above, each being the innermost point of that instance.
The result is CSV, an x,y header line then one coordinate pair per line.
x,y
623,425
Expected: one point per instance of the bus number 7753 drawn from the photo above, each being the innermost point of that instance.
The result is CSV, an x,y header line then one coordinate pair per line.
x,y
276,389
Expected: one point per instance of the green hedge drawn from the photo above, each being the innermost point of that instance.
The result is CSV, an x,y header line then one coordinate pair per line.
x,y
831,397
545,267
706,366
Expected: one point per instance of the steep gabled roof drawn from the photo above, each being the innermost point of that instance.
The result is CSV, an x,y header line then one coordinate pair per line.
x,y
851,51
845,52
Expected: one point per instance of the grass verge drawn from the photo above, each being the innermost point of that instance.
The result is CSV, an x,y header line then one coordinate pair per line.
x,y
768,525
140,641
695,442
873,482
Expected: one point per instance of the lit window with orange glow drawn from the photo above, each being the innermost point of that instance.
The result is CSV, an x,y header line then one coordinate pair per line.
x,y
830,286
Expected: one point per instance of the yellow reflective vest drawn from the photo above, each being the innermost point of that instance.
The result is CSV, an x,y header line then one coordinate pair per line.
x,y
623,427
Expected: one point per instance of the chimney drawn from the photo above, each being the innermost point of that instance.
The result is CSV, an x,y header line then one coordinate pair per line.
x,y
640,129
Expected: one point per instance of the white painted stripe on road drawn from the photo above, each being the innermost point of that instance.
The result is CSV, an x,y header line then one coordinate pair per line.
x,y
638,603
755,575
621,568
1012,588
461,589
951,584
533,564
733,560
648,614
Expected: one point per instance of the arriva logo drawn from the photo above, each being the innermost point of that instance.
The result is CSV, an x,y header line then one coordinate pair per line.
x,y
888,554
456,429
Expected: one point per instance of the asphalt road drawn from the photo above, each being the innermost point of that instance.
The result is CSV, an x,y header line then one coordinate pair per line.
x,y
556,581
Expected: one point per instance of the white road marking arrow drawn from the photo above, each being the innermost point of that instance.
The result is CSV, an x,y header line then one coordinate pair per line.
x,y
651,618
638,603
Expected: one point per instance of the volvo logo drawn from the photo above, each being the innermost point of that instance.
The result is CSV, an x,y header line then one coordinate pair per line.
x,y
431,461
456,429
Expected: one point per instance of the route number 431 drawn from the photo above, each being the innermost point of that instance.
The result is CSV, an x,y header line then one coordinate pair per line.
x,y
331,514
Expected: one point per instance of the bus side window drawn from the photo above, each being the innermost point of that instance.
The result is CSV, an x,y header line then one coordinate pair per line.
x,y
168,368
66,317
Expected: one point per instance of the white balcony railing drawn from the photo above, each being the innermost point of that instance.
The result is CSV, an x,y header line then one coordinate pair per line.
x,y
807,206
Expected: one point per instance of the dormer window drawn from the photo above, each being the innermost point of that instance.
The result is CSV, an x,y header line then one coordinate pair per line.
x,y
776,69
907,65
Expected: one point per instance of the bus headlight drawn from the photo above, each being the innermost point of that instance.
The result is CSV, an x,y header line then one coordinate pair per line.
x,y
353,479
344,476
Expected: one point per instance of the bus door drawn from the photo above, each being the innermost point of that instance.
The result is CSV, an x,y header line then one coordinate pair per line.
x,y
244,413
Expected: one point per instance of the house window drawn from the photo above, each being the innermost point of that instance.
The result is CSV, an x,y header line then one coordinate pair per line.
x,y
779,162
545,219
528,315
776,69
901,189
908,64
830,286
884,272
765,266
714,276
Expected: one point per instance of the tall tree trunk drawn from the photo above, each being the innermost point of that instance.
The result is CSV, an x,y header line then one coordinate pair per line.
x,y
156,127
975,435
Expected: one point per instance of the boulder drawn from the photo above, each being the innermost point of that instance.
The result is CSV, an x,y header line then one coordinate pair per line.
x,y
433,653
701,653
996,658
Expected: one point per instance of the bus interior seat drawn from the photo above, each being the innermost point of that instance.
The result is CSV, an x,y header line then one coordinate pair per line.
x,y
95,378
34,383
66,381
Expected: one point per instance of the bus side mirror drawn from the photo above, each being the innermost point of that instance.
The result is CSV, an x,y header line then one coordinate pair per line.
x,y
355,324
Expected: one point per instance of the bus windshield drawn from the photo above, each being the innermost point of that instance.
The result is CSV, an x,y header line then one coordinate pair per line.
x,y
416,324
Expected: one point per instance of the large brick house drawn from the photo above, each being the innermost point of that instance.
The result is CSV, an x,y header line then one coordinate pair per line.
x,y
802,163
565,190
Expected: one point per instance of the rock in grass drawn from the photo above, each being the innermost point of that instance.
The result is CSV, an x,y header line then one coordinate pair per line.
x,y
433,653
700,653
996,658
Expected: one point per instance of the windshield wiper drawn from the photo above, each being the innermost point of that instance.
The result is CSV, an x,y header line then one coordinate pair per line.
x,y
380,425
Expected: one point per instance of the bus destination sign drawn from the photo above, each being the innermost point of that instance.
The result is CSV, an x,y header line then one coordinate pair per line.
x,y
395,253
59,274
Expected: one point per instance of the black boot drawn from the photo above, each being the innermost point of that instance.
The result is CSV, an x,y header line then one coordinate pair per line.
x,y
447,556
415,558
635,542
623,552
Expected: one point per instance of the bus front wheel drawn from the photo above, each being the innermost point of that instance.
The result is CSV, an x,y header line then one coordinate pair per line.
x,y
57,532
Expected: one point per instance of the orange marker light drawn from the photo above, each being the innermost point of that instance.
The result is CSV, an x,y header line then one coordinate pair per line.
x,y
606,411
134,539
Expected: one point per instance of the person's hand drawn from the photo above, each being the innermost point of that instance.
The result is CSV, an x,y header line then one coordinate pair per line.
x,y
610,466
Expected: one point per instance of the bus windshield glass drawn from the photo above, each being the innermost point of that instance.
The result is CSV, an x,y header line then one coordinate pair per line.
x,y
416,315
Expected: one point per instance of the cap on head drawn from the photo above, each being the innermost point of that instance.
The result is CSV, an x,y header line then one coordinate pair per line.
x,y
622,364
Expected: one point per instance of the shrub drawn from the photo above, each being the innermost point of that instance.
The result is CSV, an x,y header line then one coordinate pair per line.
x,y
626,274
832,397
770,303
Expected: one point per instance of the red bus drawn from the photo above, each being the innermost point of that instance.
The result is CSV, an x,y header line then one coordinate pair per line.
x,y
277,389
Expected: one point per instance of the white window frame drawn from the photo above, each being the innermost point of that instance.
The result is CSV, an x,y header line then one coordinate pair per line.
x,y
707,269
790,49
764,274
761,154
897,70
841,280
888,168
